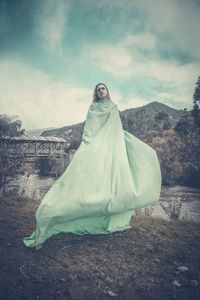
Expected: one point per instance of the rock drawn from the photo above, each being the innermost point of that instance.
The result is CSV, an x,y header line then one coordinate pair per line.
x,y
194,283
149,248
38,278
38,247
176,283
183,268
111,293
157,260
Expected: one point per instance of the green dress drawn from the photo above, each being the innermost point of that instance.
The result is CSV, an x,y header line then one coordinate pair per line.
x,y
112,173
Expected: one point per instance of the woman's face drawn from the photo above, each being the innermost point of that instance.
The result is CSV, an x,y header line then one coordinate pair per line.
x,y
101,91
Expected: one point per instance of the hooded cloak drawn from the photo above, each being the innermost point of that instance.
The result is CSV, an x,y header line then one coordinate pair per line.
x,y
111,174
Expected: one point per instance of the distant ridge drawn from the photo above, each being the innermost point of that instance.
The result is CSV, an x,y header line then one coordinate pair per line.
x,y
38,132
155,124
138,121
156,106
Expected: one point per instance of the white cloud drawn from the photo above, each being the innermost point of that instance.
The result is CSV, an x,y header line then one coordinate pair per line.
x,y
124,58
50,22
114,60
118,59
132,102
41,101
177,20
145,41
126,61
38,99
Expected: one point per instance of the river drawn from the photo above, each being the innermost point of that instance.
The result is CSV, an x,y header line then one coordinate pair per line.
x,y
176,202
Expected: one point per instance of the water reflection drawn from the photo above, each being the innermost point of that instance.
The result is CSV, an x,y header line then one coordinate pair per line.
x,y
175,202
30,186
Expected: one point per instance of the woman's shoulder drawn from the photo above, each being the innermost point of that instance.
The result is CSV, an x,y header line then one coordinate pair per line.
x,y
103,104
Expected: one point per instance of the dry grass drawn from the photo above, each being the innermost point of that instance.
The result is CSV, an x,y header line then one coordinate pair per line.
x,y
140,263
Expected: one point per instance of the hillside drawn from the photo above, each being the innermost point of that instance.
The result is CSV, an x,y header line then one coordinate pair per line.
x,y
137,121
69,133
37,132
170,132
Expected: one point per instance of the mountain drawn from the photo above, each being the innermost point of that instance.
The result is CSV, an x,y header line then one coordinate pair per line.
x,y
172,133
139,121
153,117
169,131
70,133
37,132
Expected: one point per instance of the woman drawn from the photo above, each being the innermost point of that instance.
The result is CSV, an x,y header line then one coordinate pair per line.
x,y
110,175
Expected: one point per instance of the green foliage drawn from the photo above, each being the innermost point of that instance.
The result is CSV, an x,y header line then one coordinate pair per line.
x,y
196,104
162,118
196,95
189,135
10,165
196,114
10,126
168,148
74,144
9,168
183,126
50,166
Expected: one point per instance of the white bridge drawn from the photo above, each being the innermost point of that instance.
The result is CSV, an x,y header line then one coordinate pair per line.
x,y
32,146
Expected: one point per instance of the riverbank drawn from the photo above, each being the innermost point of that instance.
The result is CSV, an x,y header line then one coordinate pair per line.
x,y
155,259
176,202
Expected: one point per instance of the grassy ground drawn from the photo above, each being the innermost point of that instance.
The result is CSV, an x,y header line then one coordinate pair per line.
x,y
140,263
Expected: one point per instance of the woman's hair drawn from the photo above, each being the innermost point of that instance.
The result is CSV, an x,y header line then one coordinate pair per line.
x,y
95,96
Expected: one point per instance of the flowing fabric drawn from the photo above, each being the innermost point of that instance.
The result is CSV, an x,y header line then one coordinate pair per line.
x,y
111,174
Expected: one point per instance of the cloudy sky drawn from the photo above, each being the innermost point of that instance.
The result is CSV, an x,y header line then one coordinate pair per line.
x,y
53,52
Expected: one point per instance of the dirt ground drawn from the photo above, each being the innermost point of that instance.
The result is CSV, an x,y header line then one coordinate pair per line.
x,y
155,259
